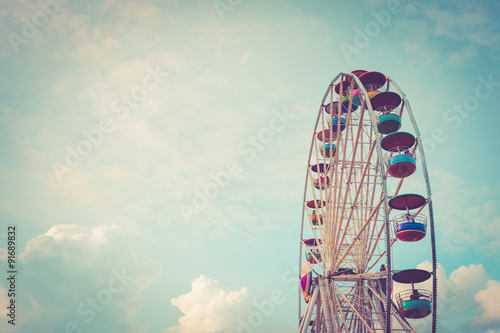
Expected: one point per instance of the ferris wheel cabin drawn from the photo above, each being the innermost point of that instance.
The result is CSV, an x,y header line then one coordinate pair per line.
x,y
316,219
400,160
372,80
335,125
306,280
313,256
333,107
413,303
322,183
409,227
328,150
386,103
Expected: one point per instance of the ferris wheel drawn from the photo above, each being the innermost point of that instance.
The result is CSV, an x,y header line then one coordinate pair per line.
x,y
359,206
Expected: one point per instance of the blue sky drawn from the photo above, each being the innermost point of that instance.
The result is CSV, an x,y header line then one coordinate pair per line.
x,y
116,115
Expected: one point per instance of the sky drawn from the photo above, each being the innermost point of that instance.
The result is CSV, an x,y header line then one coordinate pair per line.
x,y
153,154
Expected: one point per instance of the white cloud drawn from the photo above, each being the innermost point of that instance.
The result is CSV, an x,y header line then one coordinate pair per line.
x,y
462,55
209,307
471,24
433,30
467,218
489,302
70,232
89,276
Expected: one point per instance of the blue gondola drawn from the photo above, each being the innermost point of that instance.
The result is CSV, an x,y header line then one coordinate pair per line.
x,y
328,150
388,123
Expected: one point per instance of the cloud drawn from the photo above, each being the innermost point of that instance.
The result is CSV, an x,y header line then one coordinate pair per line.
x,y
465,23
452,30
462,55
88,277
209,307
467,216
488,300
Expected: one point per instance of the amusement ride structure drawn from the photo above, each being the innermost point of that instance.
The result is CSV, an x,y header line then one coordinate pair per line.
x,y
358,206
